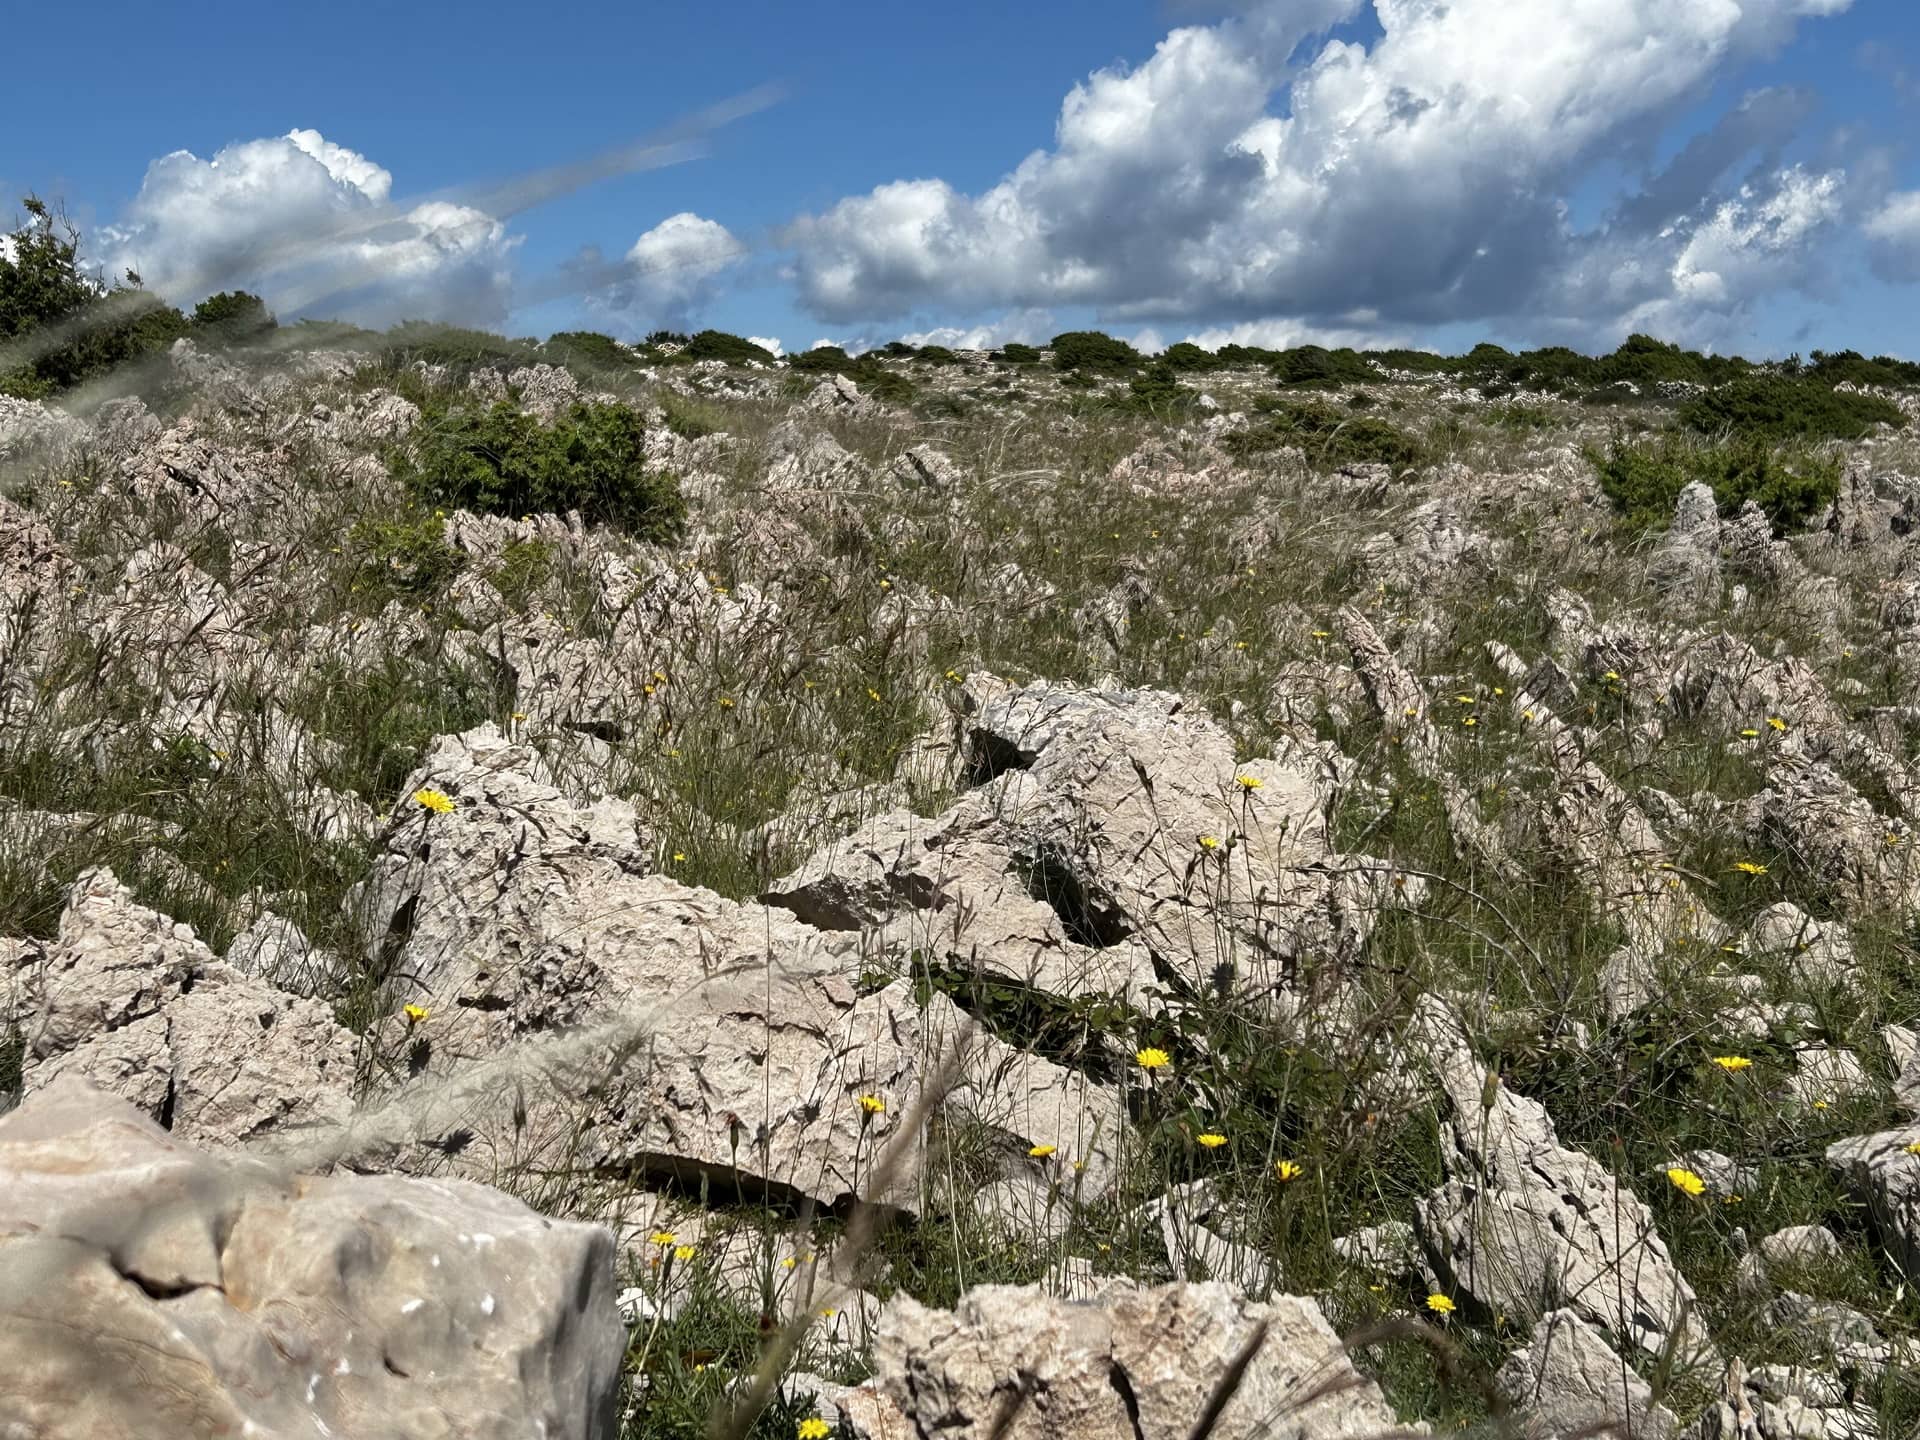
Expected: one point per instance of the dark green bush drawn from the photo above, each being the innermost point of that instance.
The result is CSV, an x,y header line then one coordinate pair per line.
x,y
936,355
1780,407
718,345
1644,479
1327,437
666,337
1092,353
503,461
408,556
1851,367
233,317
1188,356
588,353
824,359
1317,365
95,328
1014,353
1158,393
459,350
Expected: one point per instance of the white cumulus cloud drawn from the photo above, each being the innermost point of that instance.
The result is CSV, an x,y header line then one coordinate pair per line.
x,y
1228,179
307,222
1893,238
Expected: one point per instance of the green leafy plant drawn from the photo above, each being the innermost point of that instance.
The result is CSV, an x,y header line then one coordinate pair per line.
x,y
501,460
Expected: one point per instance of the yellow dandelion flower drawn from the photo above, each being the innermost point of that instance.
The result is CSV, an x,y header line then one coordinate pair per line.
x,y
726,702
438,801
664,1237
1441,1304
1150,1058
1469,722
789,1262
683,1252
1749,867
1287,1170
1731,1063
1612,675
872,1104
813,1428
1912,1147
1323,634
1211,1140
1247,782
1041,1152
1774,722
416,1014
679,857
1749,734
1685,1180
1527,715
519,717
1209,842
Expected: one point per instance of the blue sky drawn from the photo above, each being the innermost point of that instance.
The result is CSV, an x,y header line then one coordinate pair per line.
x,y
1272,170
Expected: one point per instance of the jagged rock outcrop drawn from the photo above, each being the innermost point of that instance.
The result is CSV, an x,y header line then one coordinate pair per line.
x,y
134,1003
1015,1362
1568,1381
149,1288
1524,1224
683,1033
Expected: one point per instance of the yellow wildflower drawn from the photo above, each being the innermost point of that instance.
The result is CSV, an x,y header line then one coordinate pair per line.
x,y
1912,1147
814,1428
435,800
1211,1140
1287,1170
683,1252
1749,867
1150,1058
416,1014
1041,1152
872,1104
663,1237
1749,734
726,702
1248,782
1731,1063
1441,1304
1687,1181
1209,842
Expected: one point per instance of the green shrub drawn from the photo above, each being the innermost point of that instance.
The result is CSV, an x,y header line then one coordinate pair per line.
x,y
1157,393
525,566
718,345
1327,437
1188,356
409,556
233,317
1014,353
936,355
1851,367
1093,353
1317,365
98,328
503,461
1780,407
1643,480
459,350
822,359
588,353
690,419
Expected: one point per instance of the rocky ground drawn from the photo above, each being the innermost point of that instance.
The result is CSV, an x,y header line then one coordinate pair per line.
x,y
1037,913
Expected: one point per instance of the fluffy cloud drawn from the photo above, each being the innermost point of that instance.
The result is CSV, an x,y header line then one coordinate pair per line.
x,y
1026,327
1423,177
1893,238
772,347
671,271
309,223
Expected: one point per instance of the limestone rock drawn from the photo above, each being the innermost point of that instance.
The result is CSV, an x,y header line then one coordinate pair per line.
x,y
147,1288
139,1007
1568,1381
1523,1220
1135,1362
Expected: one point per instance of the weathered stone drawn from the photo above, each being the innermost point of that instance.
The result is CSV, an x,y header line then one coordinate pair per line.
x,y
1017,1363
1569,1381
147,1288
